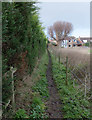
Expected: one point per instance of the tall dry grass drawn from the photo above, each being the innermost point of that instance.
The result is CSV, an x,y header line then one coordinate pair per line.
x,y
78,61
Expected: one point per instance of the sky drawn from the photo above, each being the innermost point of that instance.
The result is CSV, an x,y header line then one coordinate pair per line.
x,y
78,13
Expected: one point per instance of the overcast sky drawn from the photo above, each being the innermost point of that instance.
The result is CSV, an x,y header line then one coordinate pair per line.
x,y
78,13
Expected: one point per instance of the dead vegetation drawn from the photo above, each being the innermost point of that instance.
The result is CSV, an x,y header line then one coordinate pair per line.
x,y
24,89
76,56
78,63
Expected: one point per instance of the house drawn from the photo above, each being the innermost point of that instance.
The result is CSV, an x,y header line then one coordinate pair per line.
x,y
87,39
71,42
79,42
65,42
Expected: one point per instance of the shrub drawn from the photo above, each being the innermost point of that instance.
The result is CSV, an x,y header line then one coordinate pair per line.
x,y
22,37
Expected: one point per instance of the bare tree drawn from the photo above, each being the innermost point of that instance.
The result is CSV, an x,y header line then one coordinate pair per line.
x,y
60,30
50,31
68,27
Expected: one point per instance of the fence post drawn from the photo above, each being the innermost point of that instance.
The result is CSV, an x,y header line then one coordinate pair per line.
x,y
13,70
73,82
54,55
66,69
85,86
59,58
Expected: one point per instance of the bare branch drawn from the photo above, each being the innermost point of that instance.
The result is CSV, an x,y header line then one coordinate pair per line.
x,y
50,31
68,27
60,30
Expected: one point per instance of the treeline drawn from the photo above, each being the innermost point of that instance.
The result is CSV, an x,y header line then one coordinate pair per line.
x,y
23,40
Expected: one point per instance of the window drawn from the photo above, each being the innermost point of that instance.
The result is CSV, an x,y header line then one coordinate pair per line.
x,y
78,42
69,40
69,45
74,45
74,40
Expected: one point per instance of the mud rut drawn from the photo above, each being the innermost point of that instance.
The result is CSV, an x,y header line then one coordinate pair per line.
x,y
54,103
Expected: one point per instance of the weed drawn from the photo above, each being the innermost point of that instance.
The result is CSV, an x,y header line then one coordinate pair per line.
x,y
40,91
74,105
38,108
21,113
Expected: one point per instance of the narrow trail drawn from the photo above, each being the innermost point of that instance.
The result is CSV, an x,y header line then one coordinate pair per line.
x,y
54,103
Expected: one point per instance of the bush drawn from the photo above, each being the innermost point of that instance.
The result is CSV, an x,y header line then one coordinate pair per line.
x,y
87,44
23,39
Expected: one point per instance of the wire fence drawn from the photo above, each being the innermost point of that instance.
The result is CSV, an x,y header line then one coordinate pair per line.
x,y
79,74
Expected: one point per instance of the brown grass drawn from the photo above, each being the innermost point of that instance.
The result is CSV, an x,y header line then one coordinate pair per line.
x,y
76,56
23,88
78,60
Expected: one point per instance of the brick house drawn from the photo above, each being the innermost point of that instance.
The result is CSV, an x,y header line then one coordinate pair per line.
x,y
71,42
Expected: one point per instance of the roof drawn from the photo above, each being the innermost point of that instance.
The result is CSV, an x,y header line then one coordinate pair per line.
x,y
86,38
79,42
67,38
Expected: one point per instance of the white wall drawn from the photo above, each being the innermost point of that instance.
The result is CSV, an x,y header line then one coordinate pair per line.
x,y
64,43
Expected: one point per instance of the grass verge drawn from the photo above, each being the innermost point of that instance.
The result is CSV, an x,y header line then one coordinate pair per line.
x,y
40,92
74,105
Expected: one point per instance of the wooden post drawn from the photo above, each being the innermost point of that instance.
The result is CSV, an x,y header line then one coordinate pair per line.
x,y
54,55
66,69
59,58
13,70
85,86
73,82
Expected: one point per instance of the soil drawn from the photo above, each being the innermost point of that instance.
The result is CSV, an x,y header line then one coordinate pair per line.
x,y
54,103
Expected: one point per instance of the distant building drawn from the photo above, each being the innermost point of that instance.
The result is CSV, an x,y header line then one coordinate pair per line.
x,y
71,42
85,39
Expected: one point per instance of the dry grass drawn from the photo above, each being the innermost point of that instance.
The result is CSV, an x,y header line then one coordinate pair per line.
x,y
24,91
78,60
76,56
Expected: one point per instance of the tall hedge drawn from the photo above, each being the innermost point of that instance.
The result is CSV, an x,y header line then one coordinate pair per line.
x,y
21,32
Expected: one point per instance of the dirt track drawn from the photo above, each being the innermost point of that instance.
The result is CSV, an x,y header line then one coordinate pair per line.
x,y
53,104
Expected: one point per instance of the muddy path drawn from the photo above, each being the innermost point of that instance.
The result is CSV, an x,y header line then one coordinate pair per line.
x,y
54,103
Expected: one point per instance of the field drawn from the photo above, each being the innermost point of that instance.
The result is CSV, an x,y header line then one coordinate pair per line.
x,y
78,61
76,56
